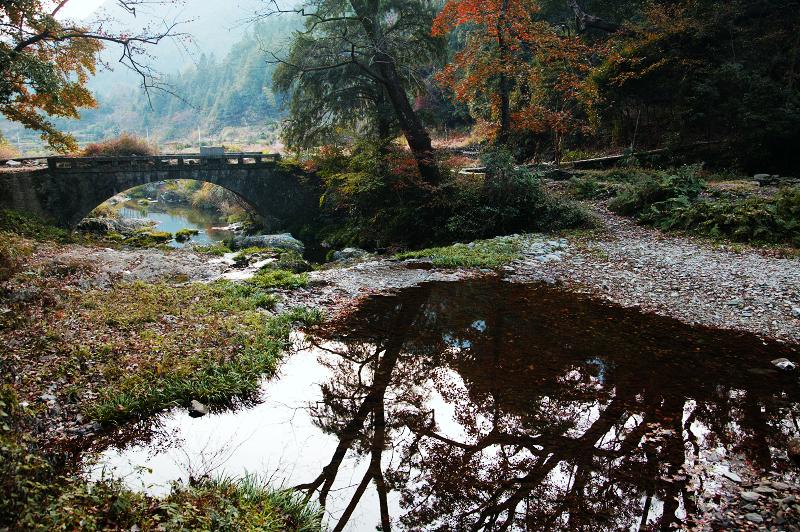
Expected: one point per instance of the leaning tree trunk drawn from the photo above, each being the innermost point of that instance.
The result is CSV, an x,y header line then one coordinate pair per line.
x,y
419,141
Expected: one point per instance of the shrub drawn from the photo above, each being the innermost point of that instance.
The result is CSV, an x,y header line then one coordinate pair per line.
x,y
510,199
7,151
755,219
12,252
123,146
106,210
638,197
374,198
590,187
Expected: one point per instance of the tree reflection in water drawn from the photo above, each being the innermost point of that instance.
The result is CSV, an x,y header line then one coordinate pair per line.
x,y
566,414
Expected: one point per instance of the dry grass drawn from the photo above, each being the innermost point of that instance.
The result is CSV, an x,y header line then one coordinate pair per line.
x,y
122,146
7,151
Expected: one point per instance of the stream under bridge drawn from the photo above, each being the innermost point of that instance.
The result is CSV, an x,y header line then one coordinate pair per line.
x,y
64,190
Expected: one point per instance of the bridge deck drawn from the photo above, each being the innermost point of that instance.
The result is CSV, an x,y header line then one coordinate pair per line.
x,y
149,162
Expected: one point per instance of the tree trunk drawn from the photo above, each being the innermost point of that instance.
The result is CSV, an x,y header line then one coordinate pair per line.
x,y
419,141
383,113
586,21
505,84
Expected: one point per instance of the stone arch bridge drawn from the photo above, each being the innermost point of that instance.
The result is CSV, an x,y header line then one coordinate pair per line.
x,y
69,188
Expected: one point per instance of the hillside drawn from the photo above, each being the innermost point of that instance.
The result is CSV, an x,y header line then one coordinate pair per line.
x,y
220,83
216,93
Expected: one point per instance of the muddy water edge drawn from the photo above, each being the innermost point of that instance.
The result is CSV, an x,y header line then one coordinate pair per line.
x,y
482,404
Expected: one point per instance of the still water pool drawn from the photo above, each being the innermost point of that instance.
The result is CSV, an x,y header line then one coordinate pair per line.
x,y
173,218
487,405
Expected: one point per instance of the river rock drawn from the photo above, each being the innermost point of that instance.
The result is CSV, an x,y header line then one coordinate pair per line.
x,y
754,518
784,364
796,312
348,254
104,226
131,225
97,225
749,496
730,475
764,490
282,241
197,409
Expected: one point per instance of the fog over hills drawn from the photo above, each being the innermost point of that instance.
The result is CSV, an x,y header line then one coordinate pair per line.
x,y
212,27
219,73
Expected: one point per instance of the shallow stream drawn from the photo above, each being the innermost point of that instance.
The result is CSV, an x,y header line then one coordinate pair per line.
x,y
173,218
479,404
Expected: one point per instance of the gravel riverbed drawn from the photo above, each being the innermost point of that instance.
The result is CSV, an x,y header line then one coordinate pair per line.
x,y
685,278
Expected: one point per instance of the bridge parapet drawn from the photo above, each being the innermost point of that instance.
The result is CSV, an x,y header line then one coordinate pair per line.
x,y
157,162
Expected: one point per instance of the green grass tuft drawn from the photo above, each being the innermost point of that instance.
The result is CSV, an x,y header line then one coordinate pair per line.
x,y
271,279
218,250
482,254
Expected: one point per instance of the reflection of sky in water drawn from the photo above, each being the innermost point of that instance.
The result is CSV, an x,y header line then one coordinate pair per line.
x,y
172,219
462,344
456,343
597,409
479,326
600,364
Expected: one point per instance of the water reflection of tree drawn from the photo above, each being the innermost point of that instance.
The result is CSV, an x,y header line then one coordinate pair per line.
x,y
571,416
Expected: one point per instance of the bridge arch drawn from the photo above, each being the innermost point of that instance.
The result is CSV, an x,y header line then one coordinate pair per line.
x,y
70,188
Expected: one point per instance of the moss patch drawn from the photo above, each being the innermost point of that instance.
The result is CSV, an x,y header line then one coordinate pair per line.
x,y
32,227
184,235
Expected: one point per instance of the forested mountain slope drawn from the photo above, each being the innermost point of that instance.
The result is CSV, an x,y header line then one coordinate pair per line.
x,y
217,92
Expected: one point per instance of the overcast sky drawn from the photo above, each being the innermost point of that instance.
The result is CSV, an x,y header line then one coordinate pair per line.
x,y
78,9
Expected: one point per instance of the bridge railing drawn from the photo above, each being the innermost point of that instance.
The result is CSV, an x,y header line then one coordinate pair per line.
x,y
154,162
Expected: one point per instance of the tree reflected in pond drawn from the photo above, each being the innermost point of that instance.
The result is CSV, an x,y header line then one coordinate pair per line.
x,y
486,405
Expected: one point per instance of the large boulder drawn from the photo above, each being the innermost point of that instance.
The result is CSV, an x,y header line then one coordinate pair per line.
x,y
131,225
348,254
104,226
97,225
282,241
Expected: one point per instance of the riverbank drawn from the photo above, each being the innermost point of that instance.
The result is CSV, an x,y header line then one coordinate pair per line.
x,y
96,339
698,282
92,331
690,279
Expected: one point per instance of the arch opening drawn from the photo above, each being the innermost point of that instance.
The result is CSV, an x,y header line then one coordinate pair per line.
x,y
190,211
